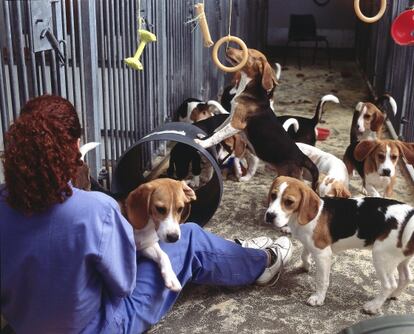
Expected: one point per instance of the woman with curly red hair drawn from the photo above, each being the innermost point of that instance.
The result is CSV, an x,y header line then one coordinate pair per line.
x,y
68,257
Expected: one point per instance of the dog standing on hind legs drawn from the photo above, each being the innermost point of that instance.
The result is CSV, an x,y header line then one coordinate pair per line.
x,y
326,226
252,114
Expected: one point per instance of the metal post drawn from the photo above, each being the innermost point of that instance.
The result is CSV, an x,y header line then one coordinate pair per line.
x,y
90,57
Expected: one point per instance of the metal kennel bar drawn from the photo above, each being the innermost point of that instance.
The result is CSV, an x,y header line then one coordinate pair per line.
x,y
388,66
76,49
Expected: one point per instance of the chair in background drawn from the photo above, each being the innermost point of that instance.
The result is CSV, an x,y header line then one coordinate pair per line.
x,y
302,28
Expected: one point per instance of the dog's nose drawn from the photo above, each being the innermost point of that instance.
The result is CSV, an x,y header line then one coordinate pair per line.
x,y
386,172
173,237
270,217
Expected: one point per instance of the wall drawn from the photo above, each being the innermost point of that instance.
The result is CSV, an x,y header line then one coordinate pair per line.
x,y
336,20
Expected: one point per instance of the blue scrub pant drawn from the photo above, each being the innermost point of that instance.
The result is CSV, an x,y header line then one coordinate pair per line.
x,y
199,257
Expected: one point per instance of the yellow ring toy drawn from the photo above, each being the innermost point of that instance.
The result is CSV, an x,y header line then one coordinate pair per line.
x,y
373,19
237,41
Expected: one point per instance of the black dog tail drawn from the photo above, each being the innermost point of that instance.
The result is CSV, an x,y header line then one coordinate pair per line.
x,y
390,99
319,108
313,170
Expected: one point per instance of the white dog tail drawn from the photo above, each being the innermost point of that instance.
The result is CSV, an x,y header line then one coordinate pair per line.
x,y
289,122
390,99
278,71
319,108
87,147
218,106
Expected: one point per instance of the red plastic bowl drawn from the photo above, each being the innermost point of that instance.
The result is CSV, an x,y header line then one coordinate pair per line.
x,y
402,29
323,133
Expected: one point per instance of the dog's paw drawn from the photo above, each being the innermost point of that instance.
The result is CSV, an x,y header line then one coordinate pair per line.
x,y
305,267
171,282
315,300
245,178
372,307
286,229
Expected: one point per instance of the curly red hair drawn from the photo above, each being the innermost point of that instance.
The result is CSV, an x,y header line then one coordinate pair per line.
x,y
41,154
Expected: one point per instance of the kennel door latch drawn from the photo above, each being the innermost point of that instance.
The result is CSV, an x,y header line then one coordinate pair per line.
x,y
41,30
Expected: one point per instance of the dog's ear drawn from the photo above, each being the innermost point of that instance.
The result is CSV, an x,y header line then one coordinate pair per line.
x,y
268,77
137,205
239,146
377,121
407,150
364,148
186,213
188,192
190,196
309,205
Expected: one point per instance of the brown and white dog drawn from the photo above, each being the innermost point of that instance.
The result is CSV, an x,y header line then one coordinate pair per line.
x,y
376,161
368,119
156,209
252,114
336,181
236,147
330,225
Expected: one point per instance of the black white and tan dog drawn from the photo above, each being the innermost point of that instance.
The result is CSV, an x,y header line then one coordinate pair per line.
x,y
194,110
376,162
183,156
368,119
326,226
306,131
252,114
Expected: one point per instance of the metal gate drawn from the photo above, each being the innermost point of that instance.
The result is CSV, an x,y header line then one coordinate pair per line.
x,y
388,66
75,49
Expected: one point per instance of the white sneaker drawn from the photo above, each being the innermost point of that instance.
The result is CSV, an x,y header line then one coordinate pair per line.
x,y
281,252
256,243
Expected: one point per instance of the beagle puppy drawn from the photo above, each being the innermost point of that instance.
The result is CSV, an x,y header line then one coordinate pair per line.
x,y
155,210
237,147
368,119
326,226
305,130
376,161
194,110
252,114
335,183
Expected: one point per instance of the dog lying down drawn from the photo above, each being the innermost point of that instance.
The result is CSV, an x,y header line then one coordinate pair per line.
x,y
156,209
326,226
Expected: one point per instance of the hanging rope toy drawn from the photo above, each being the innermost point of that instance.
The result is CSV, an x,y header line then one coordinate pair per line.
x,y
144,37
201,15
227,39
373,19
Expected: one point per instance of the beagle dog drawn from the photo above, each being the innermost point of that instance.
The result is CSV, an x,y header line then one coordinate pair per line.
x,y
306,131
368,119
251,113
230,91
238,149
326,226
156,209
194,110
183,156
336,181
376,161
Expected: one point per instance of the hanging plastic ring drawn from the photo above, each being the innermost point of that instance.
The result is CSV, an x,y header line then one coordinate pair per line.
x,y
237,41
373,19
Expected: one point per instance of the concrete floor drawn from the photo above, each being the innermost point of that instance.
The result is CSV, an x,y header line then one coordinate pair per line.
x,y
282,308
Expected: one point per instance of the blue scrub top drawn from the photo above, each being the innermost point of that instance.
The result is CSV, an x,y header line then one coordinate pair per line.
x,y
66,270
